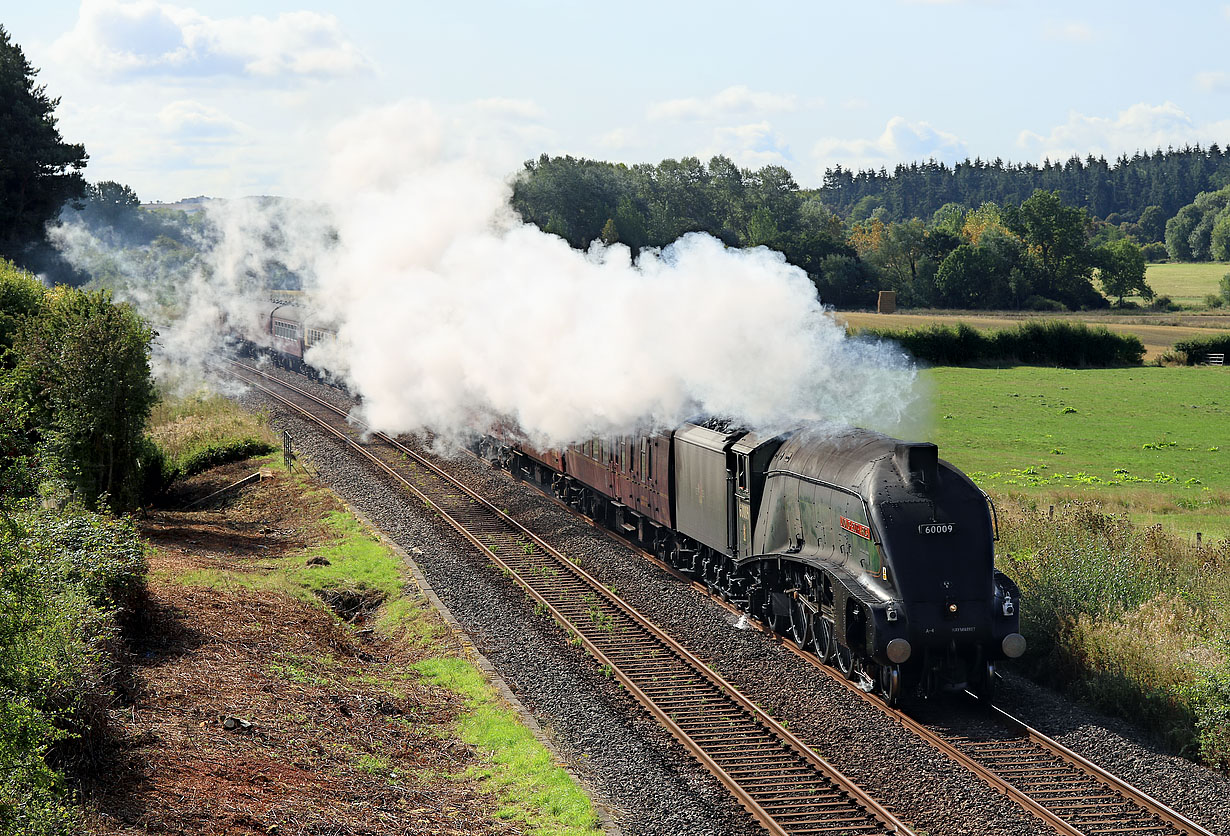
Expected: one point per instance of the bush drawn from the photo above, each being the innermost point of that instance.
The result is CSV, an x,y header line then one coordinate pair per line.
x,y
1214,300
1155,252
66,579
212,455
1198,349
1054,342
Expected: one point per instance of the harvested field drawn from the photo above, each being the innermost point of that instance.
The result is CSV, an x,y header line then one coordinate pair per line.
x,y
1158,331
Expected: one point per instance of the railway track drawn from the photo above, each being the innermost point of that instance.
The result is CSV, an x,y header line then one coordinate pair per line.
x,y
1071,794
1062,789
783,783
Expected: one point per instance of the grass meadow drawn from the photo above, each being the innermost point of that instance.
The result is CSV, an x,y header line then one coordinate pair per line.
x,y
1149,442
1186,283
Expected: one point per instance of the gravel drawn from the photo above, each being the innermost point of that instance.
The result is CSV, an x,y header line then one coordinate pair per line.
x,y
633,765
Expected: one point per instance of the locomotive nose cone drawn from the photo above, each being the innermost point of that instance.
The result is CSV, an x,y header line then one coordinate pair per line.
x,y
898,650
1013,645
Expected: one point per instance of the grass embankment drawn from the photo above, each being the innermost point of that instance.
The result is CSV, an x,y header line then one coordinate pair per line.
x,y
1135,620
206,430
353,573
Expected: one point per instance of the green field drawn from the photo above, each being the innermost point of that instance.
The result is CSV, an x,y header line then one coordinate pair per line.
x,y
1186,283
1152,442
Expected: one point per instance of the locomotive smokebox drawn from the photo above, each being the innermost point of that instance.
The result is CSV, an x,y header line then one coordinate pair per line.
x,y
917,463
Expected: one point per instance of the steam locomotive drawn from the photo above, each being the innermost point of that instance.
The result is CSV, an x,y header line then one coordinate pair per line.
x,y
871,552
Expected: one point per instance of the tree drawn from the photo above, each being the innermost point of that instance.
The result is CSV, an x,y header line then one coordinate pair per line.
x,y
972,277
1055,234
39,172
111,203
1121,270
84,370
1152,224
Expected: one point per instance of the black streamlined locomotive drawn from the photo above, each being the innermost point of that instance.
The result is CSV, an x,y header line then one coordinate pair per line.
x,y
872,552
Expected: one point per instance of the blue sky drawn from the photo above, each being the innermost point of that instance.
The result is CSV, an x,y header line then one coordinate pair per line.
x,y
232,98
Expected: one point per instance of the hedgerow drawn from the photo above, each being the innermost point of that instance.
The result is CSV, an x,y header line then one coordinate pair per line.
x,y
67,578
1048,343
1198,349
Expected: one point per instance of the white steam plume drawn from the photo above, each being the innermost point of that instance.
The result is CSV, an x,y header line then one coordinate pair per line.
x,y
453,313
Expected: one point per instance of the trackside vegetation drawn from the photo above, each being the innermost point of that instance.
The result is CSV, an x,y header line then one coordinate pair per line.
x,y
1045,343
1133,619
68,578
203,430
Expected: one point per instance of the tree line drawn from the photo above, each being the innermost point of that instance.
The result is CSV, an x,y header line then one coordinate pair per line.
x,y
1040,253
1118,192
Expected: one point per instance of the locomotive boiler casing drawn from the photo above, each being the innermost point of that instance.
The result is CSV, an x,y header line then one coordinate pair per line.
x,y
907,539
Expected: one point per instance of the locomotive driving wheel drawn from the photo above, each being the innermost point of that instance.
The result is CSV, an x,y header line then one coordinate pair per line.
x,y
844,658
826,639
801,623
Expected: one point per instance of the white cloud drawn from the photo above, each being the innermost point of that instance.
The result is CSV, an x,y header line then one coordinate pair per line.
x,y
617,139
749,146
1214,81
189,120
901,141
1072,30
1142,127
732,102
145,37
523,109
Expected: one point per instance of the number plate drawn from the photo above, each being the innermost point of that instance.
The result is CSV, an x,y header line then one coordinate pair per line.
x,y
937,528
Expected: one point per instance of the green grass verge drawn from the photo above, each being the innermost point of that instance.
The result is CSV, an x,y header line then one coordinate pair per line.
x,y
532,789
1186,283
1150,442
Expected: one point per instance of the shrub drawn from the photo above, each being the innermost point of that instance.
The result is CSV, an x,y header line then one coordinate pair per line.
x,y
65,579
1155,252
212,455
1198,349
1214,300
1054,342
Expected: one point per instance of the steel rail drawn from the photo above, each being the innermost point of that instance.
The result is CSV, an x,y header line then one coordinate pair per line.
x,y
781,781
